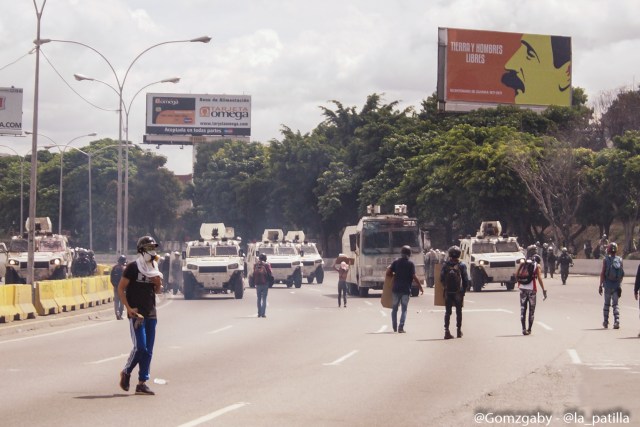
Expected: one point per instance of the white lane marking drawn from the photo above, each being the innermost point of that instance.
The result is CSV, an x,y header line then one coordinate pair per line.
x,y
382,329
342,359
547,327
477,310
57,332
575,359
384,314
604,368
220,330
108,359
214,414
368,303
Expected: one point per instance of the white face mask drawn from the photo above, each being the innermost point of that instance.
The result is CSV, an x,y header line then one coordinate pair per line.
x,y
149,256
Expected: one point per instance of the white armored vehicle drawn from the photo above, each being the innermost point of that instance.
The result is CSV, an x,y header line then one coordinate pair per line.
x,y
491,257
52,255
312,262
375,243
214,263
286,264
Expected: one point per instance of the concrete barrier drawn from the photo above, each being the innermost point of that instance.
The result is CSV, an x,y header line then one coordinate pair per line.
x,y
90,292
76,292
62,295
45,300
105,290
23,302
8,310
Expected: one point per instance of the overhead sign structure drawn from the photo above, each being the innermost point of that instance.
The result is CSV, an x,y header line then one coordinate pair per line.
x,y
488,68
170,114
10,111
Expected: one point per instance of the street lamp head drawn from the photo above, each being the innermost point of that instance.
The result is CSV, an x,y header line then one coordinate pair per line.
x,y
171,80
80,77
40,42
92,134
203,39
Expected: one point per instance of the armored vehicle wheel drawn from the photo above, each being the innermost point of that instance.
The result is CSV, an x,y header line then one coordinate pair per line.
x,y
297,278
189,288
353,289
289,283
319,275
238,287
59,274
11,277
310,278
363,292
477,280
510,285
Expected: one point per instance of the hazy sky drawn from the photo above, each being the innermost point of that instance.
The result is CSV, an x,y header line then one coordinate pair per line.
x,y
291,56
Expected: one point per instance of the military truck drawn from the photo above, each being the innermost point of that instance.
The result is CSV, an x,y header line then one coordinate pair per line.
x,y
214,263
312,262
282,255
52,255
375,242
491,257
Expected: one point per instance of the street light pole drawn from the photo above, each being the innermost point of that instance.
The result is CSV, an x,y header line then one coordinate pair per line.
x,y
62,151
125,238
120,85
34,155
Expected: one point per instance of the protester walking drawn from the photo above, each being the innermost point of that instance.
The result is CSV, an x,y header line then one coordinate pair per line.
x,y
455,281
403,271
343,271
262,278
140,282
564,261
611,277
529,276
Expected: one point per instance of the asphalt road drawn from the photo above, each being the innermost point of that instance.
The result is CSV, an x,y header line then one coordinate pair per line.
x,y
311,363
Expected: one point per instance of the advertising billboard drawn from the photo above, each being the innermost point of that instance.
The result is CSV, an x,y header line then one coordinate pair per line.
x,y
10,111
198,115
487,68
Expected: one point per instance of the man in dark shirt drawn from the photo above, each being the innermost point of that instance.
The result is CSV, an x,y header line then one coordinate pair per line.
x,y
140,282
116,275
403,271
454,297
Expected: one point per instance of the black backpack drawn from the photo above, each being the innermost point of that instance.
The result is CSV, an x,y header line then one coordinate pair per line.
x,y
452,279
526,272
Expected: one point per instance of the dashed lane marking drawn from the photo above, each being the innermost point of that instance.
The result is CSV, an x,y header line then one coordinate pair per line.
x,y
341,359
575,359
214,415
382,329
545,326
108,359
220,329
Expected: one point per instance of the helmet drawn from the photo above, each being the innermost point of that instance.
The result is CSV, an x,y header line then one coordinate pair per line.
x,y
537,243
564,249
536,258
545,245
122,259
405,251
262,257
454,252
146,244
612,248
604,236
176,253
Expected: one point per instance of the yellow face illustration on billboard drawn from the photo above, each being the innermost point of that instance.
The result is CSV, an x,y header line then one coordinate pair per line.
x,y
540,71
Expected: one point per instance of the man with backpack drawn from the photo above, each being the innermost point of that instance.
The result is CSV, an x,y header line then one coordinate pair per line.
x,y
455,280
529,275
564,261
403,271
610,279
262,278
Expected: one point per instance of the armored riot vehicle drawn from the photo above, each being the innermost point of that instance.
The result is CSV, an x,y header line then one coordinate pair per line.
x,y
214,263
282,255
312,262
491,257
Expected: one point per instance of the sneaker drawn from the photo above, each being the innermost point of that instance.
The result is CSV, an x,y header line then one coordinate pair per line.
x,y
525,332
401,330
124,380
605,325
529,331
447,335
616,325
143,389
459,333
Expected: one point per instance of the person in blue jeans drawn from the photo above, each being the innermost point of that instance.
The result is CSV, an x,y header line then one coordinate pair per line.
x,y
610,278
140,282
403,271
263,278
